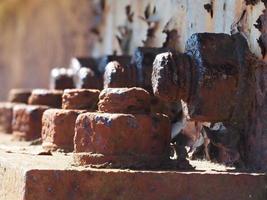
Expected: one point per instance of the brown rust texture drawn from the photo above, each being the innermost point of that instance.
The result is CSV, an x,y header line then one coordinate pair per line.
x,y
61,78
30,177
87,78
217,69
77,29
19,95
132,185
166,68
222,88
116,75
256,128
6,114
58,127
206,72
80,99
124,100
51,98
121,139
27,121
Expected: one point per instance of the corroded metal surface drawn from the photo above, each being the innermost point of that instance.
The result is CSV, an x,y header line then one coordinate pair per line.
x,y
207,76
78,28
27,175
221,82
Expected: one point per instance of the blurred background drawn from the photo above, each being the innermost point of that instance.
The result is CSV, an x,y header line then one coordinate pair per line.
x,y
37,35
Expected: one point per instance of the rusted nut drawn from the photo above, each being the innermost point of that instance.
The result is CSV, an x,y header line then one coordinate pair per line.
x,y
171,76
58,127
61,78
27,121
118,71
80,99
124,60
19,95
116,75
121,140
87,74
143,62
52,98
206,76
88,79
6,115
124,100
76,63
126,135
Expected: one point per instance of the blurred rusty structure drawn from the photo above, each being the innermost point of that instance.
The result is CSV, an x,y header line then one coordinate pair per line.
x,y
80,28
201,62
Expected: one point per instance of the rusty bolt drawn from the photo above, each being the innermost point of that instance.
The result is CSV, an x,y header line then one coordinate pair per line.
x,y
206,76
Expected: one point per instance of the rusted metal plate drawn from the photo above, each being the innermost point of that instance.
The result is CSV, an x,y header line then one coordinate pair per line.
x,y
26,175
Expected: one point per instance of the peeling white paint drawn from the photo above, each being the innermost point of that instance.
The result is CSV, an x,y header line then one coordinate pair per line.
x,y
187,16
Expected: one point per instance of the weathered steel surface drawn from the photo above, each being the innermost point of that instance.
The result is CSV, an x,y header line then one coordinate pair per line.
x,y
226,83
25,175
208,76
